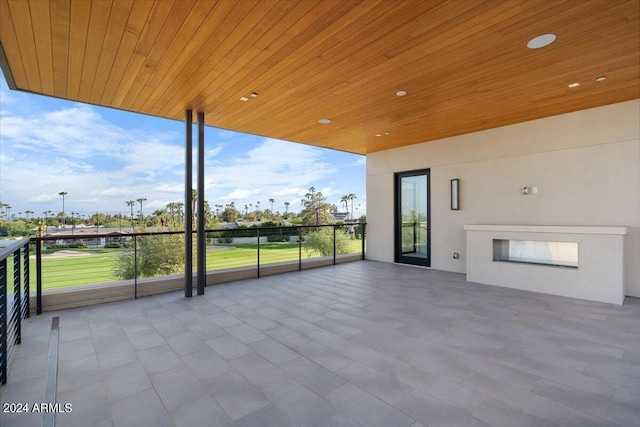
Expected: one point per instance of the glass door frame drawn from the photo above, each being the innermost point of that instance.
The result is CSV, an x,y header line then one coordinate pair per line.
x,y
398,254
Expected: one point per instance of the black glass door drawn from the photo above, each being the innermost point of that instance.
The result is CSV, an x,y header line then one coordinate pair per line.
x,y
412,218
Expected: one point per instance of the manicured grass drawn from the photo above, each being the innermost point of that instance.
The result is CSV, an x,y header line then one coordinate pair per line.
x,y
98,266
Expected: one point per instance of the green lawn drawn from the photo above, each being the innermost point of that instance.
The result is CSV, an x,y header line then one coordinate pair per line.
x,y
98,265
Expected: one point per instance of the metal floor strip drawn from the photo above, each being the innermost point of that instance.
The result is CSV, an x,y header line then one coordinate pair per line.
x,y
51,387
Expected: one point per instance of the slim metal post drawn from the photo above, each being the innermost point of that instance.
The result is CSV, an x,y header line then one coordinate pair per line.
x,y
188,225
334,245
135,267
39,276
202,242
364,226
299,248
258,236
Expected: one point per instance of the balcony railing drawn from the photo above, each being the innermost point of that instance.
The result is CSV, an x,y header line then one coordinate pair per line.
x,y
14,299
75,270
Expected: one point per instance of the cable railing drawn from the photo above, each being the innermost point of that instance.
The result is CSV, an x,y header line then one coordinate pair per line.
x,y
14,299
148,262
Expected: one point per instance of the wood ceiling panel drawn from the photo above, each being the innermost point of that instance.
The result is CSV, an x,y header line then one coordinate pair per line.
x,y
138,15
22,25
96,32
236,49
11,48
42,37
184,50
132,83
464,64
115,32
272,64
60,18
168,31
79,25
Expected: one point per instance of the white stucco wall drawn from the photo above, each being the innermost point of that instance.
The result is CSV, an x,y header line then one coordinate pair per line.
x,y
586,166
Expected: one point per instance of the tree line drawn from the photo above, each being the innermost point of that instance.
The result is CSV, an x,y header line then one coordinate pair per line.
x,y
315,210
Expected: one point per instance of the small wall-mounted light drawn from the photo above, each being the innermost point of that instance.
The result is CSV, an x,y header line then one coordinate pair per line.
x,y
455,194
526,190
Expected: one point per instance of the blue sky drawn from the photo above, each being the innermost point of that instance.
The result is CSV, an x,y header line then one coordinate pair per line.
x,y
103,157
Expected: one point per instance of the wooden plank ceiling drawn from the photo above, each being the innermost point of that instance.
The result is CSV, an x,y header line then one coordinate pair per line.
x,y
465,65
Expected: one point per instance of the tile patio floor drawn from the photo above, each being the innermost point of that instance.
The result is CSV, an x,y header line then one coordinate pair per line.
x,y
358,344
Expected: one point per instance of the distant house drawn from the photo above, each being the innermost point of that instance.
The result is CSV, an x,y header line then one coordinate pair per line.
x,y
88,236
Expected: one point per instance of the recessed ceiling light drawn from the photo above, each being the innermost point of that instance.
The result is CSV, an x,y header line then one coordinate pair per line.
x,y
401,92
254,94
601,78
244,99
378,134
541,41
324,121
387,133
576,84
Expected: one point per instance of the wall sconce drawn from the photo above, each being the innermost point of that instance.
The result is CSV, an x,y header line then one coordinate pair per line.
x,y
455,194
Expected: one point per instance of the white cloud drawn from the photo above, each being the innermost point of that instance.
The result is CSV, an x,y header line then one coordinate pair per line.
x,y
210,154
42,198
273,164
169,188
112,191
241,193
294,191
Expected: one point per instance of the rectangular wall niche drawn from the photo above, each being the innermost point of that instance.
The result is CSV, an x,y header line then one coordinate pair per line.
x,y
557,254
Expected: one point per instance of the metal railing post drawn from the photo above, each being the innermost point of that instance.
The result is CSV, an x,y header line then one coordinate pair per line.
x,y
299,248
364,227
39,276
334,245
135,267
258,236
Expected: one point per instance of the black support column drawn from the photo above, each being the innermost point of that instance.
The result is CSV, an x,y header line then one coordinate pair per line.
x,y
188,223
202,242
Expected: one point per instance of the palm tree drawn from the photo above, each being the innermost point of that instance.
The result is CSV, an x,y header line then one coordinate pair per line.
x,y
171,206
131,204
161,216
246,210
351,197
140,200
179,212
286,207
62,193
345,199
271,201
